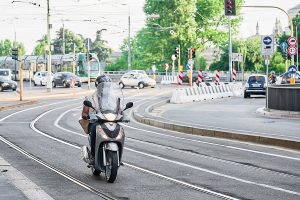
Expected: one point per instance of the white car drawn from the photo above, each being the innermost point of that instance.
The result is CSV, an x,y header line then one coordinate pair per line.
x,y
134,79
40,78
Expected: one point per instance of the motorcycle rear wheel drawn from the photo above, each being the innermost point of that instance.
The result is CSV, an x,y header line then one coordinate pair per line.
x,y
112,166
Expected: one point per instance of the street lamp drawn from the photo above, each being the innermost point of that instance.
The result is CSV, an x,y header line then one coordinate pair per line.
x,y
296,29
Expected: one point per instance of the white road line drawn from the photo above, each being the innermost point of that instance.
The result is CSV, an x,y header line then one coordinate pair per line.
x,y
215,173
32,108
209,171
210,143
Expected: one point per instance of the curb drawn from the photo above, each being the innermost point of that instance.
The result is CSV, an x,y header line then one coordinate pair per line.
x,y
2,108
213,133
278,113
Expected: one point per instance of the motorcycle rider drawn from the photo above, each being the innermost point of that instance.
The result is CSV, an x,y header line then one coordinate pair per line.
x,y
272,77
86,111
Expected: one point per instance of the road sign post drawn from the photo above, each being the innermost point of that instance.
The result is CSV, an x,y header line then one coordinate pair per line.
x,y
267,48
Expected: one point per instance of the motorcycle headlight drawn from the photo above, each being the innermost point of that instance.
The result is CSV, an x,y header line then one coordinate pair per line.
x,y
110,117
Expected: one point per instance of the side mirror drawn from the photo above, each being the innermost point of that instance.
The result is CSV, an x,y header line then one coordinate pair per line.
x,y
128,105
88,103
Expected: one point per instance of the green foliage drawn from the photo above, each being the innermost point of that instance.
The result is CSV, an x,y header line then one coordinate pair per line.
x,y
70,39
39,49
6,46
188,23
99,48
277,63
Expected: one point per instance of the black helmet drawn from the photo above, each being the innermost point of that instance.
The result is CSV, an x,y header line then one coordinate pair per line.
x,y
101,79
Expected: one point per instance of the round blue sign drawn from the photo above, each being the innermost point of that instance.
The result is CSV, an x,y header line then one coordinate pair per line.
x,y
292,69
267,40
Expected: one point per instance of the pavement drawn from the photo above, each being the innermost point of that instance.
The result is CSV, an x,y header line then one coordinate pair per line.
x,y
162,114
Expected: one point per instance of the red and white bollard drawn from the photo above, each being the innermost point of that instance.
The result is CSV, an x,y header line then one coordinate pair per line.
x,y
234,74
180,78
200,77
217,76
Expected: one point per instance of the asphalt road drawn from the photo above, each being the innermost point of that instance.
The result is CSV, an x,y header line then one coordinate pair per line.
x,y
159,164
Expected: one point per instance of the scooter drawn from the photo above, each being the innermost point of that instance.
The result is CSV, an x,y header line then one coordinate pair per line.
x,y
109,142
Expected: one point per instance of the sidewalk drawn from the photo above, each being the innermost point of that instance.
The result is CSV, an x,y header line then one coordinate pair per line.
x,y
9,99
15,186
161,114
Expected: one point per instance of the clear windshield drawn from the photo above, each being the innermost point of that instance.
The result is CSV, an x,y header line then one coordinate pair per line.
x,y
109,97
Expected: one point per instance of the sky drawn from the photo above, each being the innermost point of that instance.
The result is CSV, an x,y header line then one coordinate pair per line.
x,y
86,16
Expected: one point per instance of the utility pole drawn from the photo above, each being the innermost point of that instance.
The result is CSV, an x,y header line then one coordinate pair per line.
x,y
88,63
21,73
74,57
63,38
49,78
15,46
229,49
129,44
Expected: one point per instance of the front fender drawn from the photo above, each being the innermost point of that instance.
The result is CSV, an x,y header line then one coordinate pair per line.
x,y
111,146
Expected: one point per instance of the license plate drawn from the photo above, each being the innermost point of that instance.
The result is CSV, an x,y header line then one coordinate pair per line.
x,y
256,85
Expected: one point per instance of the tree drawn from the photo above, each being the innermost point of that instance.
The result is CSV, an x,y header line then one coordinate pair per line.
x,y
39,49
6,46
277,63
70,38
98,47
188,23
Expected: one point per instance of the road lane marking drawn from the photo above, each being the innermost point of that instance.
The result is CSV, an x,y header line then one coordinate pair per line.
x,y
208,171
215,173
67,176
32,108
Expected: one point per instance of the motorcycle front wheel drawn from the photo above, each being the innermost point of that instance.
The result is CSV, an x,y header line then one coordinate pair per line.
x,y
112,166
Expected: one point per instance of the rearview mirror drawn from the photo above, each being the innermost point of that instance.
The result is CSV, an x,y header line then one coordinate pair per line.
x,y
88,103
128,105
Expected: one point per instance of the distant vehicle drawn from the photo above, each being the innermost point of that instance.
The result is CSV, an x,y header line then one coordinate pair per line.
x,y
285,78
6,74
65,79
6,84
195,77
134,79
256,84
137,71
40,78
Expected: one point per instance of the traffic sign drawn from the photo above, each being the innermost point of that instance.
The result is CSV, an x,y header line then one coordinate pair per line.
x,y
174,57
188,67
167,66
237,57
267,45
283,46
292,51
292,69
292,41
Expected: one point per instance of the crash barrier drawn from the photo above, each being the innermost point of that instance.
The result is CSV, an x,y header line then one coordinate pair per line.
x,y
168,79
234,74
200,76
180,78
217,76
206,91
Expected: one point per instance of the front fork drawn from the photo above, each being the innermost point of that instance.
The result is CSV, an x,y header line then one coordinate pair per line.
x,y
111,146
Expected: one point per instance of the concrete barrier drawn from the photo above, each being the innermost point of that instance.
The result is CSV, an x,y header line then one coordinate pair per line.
x,y
206,91
168,79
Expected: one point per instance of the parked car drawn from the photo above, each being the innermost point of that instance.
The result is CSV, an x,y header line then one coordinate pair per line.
x,y
6,84
40,78
133,79
6,74
285,78
65,79
256,84
195,77
137,71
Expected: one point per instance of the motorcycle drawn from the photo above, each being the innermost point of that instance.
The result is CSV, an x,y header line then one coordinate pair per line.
x,y
110,134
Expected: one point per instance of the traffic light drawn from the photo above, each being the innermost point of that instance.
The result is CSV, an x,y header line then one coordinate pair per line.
x,y
193,53
187,52
230,7
176,53
15,53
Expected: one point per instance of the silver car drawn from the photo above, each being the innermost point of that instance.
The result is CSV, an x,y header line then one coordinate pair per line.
x,y
133,79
